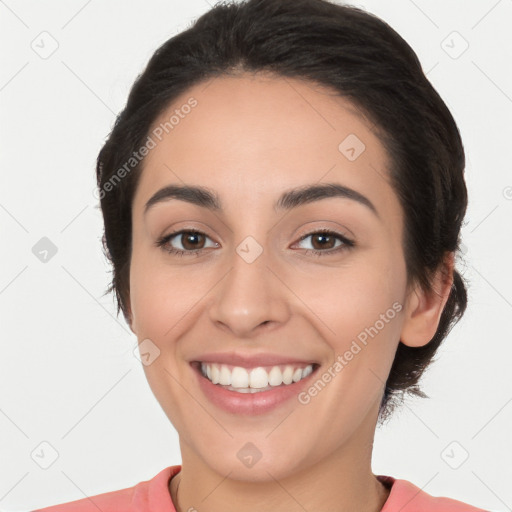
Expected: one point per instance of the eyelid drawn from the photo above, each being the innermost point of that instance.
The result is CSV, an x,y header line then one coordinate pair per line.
x,y
326,225
187,226
344,233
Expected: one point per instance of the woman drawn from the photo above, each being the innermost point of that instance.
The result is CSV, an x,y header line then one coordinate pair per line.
x,y
282,198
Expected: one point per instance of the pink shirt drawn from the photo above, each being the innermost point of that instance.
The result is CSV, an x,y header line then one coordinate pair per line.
x,y
153,495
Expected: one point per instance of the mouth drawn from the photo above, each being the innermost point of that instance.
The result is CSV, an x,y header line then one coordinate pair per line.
x,y
258,379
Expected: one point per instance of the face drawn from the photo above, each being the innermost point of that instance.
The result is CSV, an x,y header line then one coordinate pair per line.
x,y
251,284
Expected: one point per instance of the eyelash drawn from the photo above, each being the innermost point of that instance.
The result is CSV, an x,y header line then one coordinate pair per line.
x,y
163,241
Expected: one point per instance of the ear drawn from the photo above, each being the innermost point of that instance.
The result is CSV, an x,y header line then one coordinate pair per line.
x,y
424,308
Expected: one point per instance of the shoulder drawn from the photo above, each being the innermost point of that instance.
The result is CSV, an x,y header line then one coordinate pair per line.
x,y
407,497
142,497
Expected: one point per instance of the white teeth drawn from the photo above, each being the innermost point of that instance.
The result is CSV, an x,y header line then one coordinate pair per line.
x,y
306,371
225,376
275,376
256,379
215,374
297,375
239,377
288,375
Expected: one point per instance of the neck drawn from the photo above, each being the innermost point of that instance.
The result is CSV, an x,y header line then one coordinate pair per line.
x,y
341,482
281,495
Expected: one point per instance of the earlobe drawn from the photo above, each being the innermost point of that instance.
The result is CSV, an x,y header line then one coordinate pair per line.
x,y
424,308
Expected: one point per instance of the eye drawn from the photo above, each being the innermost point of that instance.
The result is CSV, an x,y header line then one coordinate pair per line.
x,y
323,241
191,242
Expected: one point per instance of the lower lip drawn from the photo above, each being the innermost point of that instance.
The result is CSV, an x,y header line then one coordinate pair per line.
x,y
250,403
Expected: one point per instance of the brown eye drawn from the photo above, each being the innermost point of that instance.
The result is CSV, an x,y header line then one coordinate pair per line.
x,y
191,240
323,241
188,242
327,242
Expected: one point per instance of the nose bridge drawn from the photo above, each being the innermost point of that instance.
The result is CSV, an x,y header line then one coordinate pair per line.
x,y
249,295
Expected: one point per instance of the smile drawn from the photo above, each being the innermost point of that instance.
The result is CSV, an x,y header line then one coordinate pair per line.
x,y
254,380
252,390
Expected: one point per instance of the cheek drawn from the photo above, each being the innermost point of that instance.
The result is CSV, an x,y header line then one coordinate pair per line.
x,y
361,309
162,306
160,295
352,298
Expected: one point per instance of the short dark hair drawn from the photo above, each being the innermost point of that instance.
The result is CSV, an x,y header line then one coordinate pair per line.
x,y
362,59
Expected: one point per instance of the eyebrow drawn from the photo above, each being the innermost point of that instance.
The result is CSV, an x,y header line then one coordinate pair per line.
x,y
207,198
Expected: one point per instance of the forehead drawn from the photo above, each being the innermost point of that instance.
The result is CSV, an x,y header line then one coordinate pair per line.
x,y
262,133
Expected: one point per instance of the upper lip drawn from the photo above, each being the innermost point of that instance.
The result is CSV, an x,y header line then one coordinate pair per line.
x,y
250,360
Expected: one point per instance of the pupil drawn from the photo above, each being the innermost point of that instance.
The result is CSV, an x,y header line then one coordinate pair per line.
x,y
189,237
322,236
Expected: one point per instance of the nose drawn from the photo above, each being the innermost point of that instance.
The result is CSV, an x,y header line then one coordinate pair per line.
x,y
251,296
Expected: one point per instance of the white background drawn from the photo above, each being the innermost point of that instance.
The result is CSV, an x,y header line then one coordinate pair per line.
x,y
68,375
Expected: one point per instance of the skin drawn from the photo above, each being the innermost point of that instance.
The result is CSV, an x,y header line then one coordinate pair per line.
x,y
250,138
